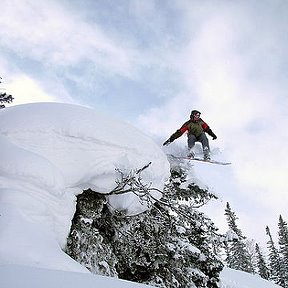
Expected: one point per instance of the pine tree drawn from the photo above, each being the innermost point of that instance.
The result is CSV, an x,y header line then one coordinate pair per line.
x,y
283,248
275,265
262,268
251,249
86,244
5,98
174,241
169,245
239,257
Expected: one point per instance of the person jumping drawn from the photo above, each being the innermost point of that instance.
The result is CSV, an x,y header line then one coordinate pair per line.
x,y
196,129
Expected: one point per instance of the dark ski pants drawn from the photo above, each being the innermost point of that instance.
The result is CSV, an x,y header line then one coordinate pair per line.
x,y
202,139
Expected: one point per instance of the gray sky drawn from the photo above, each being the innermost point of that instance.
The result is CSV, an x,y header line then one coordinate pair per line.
x,y
151,62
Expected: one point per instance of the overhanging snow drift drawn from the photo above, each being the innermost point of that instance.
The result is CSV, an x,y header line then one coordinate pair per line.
x,y
52,151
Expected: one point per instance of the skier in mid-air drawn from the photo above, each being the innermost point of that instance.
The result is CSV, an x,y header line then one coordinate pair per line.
x,y
196,129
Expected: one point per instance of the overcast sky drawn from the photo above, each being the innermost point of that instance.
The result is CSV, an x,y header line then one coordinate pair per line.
x,y
151,62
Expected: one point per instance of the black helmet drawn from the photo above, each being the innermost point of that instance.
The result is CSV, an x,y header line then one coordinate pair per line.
x,y
194,112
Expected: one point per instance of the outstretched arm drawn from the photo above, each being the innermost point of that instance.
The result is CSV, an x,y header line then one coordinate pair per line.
x,y
176,135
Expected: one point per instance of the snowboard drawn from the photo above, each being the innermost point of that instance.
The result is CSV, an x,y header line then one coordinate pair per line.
x,y
211,161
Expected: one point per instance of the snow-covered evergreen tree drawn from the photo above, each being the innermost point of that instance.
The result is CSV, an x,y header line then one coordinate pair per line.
x,y
238,256
252,254
4,97
275,265
86,244
283,248
262,267
169,245
174,240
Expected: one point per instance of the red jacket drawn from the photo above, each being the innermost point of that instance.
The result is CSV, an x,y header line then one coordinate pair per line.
x,y
194,127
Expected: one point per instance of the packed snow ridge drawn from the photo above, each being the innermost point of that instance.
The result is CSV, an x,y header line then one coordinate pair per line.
x,y
51,152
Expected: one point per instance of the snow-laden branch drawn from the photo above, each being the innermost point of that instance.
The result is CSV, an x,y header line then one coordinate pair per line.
x,y
132,182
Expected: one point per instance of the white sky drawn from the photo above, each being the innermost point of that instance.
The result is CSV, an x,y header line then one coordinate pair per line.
x,y
151,62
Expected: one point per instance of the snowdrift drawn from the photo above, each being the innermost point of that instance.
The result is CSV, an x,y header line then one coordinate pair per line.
x,y
50,152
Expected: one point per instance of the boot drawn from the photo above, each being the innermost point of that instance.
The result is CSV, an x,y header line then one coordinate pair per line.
x,y
206,153
191,154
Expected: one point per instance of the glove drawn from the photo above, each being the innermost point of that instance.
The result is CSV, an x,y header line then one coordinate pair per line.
x,y
210,132
167,142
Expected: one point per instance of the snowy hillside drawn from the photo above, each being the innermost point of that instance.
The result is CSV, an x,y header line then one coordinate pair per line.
x,y
49,154
15,276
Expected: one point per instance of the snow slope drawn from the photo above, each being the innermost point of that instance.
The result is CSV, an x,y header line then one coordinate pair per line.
x,y
16,276
49,153
238,279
